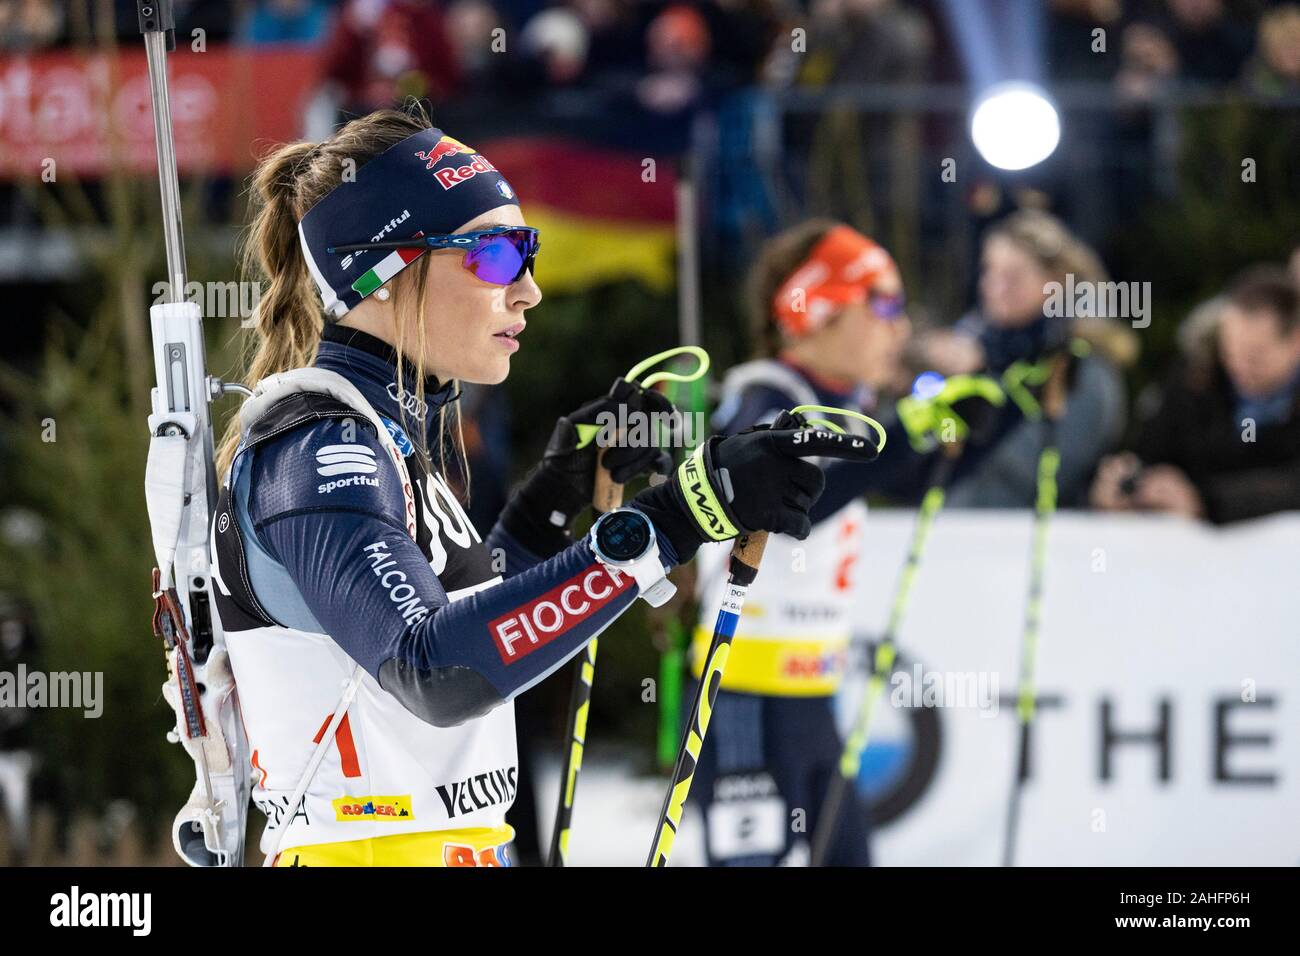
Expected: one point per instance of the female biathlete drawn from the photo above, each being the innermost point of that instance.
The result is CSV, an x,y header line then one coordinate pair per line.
x,y
829,320
376,638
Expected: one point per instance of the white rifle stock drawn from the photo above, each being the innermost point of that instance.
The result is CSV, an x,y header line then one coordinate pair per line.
x,y
181,492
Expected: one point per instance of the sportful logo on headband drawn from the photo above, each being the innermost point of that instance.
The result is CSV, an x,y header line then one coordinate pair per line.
x,y
392,224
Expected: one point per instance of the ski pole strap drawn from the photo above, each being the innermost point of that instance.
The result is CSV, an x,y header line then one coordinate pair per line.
x,y
710,517
608,494
1020,379
843,412
666,376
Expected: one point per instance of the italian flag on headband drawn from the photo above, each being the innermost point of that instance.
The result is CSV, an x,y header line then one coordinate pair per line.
x,y
386,268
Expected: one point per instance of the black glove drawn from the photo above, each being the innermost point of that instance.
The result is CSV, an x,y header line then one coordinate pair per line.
x,y
980,416
572,452
754,481
542,510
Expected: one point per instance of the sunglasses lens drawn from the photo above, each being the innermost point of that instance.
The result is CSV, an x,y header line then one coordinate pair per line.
x,y
887,306
502,259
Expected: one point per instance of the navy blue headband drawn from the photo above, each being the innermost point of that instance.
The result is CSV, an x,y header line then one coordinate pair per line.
x,y
428,184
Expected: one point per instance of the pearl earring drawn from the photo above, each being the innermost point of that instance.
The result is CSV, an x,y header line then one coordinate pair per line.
x,y
383,295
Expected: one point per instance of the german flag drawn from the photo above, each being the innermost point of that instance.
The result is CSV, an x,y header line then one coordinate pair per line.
x,y
604,215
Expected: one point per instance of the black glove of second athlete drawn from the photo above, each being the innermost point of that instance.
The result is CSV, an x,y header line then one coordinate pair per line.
x,y
542,510
756,480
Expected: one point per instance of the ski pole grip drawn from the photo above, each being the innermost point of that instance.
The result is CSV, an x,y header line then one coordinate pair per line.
x,y
1055,390
746,556
608,493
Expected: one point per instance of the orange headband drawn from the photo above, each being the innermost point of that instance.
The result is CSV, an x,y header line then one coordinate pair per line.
x,y
840,271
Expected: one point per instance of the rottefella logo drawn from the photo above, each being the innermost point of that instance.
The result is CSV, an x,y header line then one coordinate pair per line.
x,y
519,632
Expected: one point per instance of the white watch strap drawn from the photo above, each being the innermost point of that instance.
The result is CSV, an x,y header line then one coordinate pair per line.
x,y
659,593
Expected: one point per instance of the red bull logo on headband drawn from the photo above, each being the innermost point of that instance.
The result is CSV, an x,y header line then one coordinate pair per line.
x,y
446,146
455,175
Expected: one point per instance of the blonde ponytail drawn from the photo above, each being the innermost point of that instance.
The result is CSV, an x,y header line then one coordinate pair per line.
x,y
287,322
289,317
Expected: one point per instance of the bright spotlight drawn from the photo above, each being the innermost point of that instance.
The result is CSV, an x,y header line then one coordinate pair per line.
x,y
1015,126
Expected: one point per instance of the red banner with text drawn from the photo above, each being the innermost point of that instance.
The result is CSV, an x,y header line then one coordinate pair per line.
x,y
87,112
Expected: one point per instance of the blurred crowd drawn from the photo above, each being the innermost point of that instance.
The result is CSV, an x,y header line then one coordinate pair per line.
x,y
1215,438
674,54
1219,438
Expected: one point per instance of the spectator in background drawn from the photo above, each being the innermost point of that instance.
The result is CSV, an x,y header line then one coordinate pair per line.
x,y
1069,39
1212,46
29,25
381,51
614,42
469,27
678,44
286,21
558,40
743,32
1223,440
1148,62
1022,255
1275,68
857,41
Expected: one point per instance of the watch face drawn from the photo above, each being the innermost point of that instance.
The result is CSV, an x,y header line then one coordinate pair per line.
x,y
623,535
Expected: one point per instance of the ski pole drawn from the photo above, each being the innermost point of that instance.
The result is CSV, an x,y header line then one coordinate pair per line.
x,y
1049,461
928,416
692,399
607,495
670,691
743,564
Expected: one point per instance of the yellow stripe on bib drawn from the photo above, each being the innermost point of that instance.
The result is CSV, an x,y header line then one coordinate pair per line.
x,y
778,666
480,846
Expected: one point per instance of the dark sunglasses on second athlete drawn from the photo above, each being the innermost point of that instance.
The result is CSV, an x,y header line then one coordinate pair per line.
x,y
887,305
500,255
